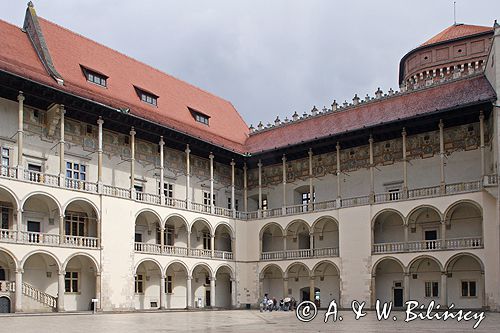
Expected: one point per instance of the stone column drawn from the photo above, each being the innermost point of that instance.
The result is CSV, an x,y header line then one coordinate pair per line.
x,y
162,238
260,187
60,291
212,244
20,135
234,300
443,300
311,243
406,286
162,171
441,155
338,175
61,229
100,122
18,305
62,162
373,294
311,188
19,222
405,226
212,208
443,234
233,200
283,159
163,297
285,287
245,187
311,288
261,289
212,292
189,242
98,290
189,299
132,161
372,180
481,133
405,165
188,176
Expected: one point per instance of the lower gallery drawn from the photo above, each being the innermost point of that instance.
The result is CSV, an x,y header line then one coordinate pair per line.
x,y
123,188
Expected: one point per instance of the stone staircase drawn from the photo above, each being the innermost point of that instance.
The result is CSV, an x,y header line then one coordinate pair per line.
x,y
34,299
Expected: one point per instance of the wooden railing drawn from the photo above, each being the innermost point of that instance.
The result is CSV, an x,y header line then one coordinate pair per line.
x,y
300,254
428,245
39,296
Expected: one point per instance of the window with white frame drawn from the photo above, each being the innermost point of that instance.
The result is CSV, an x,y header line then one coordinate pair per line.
x,y
75,224
264,204
431,289
5,157
206,241
206,198
76,171
306,197
469,289
71,284
96,78
149,98
168,189
139,284
169,286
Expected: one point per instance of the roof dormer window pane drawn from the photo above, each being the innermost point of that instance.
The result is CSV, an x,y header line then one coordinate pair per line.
x,y
96,78
150,99
201,118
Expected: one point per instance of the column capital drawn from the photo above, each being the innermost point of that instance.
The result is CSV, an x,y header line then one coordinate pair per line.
x,y
189,277
310,152
212,278
187,149
245,166
284,158
61,272
62,109
441,124
403,132
259,164
20,97
232,163
481,115
370,139
100,121
19,270
132,131
161,143
211,156
337,146
312,277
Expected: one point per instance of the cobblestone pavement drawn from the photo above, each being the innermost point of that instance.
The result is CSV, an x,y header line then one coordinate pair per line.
x,y
231,321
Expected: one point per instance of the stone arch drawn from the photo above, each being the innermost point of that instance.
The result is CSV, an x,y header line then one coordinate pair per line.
x,y
271,238
326,277
12,257
83,254
325,233
176,275
374,266
35,252
465,281
388,281
149,210
43,194
324,217
224,237
227,266
415,209
287,270
203,265
449,210
270,266
316,266
453,258
148,274
204,221
90,202
464,219
297,221
156,262
12,195
414,260
387,210
227,225
186,223
265,226
181,263
298,234
387,226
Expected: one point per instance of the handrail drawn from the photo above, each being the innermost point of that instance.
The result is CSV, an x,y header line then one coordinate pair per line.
x,y
39,296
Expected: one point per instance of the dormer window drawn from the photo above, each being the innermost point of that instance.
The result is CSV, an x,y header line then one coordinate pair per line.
x,y
199,117
147,97
95,77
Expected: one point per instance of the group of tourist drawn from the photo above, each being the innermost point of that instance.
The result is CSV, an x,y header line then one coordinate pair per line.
x,y
272,304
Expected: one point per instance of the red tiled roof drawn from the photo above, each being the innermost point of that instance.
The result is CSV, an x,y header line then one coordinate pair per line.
x,y
375,113
70,51
457,31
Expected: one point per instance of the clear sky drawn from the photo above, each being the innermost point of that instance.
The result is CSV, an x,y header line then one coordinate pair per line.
x,y
268,57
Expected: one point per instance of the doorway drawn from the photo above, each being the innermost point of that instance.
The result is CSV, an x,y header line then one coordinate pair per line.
x,y
430,239
2,274
4,305
207,297
398,297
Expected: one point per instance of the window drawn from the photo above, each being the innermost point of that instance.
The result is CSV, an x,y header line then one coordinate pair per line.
x,y
168,190
5,218
229,203
138,237
199,117
206,198
34,167
96,78
431,289
148,98
306,197
5,157
206,241
75,224
169,234
139,284
469,289
139,189
264,204
75,172
169,284
71,282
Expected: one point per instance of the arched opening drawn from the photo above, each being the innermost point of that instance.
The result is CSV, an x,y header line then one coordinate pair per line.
x,y
147,233
147,285
81,224
465,282
424,229
41,217
325,237
425,280
388,232
272,238
41,273
302,196
327,283
297,236
8,215
176,287
176,235
80,283
464,223
223,288
7,272
389,282
299,282
272,282
5,304
201,286
223,239
201,238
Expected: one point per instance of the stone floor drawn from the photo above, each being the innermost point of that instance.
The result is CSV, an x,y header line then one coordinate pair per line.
x,y
230,321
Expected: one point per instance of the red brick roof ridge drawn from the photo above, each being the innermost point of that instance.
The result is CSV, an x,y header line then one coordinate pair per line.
x,y
453,32
134,59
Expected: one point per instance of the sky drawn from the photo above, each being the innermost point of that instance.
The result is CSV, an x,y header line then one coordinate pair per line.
x,y
268,57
